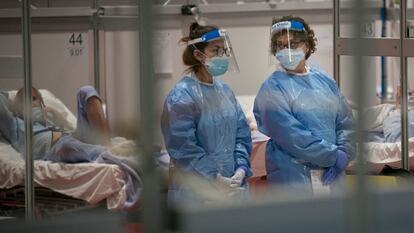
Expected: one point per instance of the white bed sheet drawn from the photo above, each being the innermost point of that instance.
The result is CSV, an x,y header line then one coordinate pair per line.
x,y
375,152
91,182
386,152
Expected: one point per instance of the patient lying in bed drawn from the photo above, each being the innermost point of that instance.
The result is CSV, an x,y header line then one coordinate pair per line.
x,y
392,121
392,126
384,124
54,141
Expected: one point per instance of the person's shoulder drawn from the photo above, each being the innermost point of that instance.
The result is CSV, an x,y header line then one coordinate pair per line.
x,y
184,83
222,85
277,74
324,76
226,89
181,90
274,79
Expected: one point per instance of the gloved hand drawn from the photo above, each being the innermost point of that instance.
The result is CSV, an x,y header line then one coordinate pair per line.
x,y
222,181
333,172
237,178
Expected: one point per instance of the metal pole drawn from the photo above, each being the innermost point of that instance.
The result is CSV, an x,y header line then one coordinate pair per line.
x,y
361,208
336,34
404,88
27,55
152,201
96,70
384,85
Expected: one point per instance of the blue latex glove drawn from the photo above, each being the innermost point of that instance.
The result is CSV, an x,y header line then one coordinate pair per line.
x,y
333,172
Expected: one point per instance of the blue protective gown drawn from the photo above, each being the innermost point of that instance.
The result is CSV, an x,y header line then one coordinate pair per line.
x,y
12,128
307,120
205,130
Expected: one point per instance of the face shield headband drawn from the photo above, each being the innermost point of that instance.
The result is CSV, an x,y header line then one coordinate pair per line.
x,y
228,49
288,26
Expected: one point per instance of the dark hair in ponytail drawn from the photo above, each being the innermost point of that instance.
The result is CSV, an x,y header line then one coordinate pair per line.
x,y
196,31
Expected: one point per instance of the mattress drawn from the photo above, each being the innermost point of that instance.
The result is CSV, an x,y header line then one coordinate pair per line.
x,y
379,154
91,182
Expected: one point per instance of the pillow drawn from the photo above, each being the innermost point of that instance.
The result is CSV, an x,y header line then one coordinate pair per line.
x,y
52,101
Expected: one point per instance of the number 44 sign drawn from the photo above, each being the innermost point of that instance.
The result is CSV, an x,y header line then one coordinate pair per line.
x,y
75,42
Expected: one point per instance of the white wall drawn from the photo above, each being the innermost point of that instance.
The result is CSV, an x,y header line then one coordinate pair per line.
x,y
121,74
53,67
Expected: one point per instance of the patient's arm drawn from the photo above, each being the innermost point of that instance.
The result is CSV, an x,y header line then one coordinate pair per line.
x,y
97,119
58,118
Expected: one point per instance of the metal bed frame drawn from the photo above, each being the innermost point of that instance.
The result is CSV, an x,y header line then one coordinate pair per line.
x,y
47,203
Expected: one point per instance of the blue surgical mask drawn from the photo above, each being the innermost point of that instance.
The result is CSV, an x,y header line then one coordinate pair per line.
x,y
217,66
38,115
296,56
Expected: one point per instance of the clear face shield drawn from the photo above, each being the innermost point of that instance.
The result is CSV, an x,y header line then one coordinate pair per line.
x,y
288,43
219,46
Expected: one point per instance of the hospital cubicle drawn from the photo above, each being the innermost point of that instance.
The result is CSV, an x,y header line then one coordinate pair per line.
x,y
64,41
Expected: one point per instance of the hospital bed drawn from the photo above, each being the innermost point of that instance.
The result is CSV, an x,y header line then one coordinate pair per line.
x,y
377,154
84,184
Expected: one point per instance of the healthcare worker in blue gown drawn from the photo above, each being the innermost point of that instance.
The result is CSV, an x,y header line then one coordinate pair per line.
x,y
303,112
205,130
